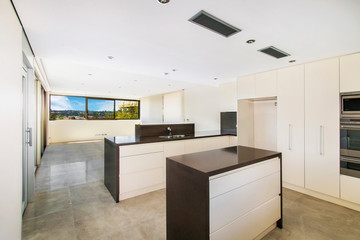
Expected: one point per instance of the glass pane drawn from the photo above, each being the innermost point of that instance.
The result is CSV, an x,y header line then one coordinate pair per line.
x,y
100,109
127,109
66,108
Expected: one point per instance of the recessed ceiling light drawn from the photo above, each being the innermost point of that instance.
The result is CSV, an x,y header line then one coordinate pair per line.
x,y
169,85
215,79
163,1
174,70
119,87
250,41
135,80
90,74
110,57
292,61
166,73
82,83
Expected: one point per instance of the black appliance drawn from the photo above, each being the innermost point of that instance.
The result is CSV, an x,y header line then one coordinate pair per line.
x,y
228,123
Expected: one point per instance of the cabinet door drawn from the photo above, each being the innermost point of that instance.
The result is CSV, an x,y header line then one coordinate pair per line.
x,y
174,148
290,123
350,73
246,87
322,126
215,143
193,145
265,84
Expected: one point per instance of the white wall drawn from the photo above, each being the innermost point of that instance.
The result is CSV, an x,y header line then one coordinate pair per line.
x,y
82,130
151,109
203,104
265,125
10,122
173,107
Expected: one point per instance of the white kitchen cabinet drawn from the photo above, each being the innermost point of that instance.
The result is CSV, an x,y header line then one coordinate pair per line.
x,y
350,73
174,148
290,123
215,143
243,195
233,141
206,144
141,169
350,188
265,84
193,145
322,126
246,87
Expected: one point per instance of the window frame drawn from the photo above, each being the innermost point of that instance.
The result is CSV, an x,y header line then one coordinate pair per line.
x,y
98,98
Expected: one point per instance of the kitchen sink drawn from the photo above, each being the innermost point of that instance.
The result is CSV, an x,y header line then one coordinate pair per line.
x,y
172,136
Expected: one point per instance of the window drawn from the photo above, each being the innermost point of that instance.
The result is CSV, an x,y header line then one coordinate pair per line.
x,y
68,107
126,109
100,108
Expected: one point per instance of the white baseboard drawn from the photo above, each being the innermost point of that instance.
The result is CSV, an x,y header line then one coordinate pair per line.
x,y
324,197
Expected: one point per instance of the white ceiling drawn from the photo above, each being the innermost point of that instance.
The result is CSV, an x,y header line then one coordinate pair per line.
x,y
147,39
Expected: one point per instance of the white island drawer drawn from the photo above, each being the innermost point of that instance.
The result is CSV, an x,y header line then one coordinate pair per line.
x,y
226,182
136,181
141,162
138,149
252,223
229,206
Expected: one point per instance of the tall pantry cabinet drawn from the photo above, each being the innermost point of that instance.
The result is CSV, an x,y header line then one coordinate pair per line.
x,y
290,123
322,126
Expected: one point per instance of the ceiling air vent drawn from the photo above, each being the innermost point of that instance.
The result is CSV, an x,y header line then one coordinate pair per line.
x,y
212,23
274,52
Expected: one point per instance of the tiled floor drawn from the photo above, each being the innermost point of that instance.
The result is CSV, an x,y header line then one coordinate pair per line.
x,y
71,202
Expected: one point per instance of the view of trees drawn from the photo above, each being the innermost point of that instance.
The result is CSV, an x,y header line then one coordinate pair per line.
x,y
74,108
127,110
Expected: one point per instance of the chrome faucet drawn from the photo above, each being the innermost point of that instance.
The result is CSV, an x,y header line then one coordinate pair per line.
x,y
169,131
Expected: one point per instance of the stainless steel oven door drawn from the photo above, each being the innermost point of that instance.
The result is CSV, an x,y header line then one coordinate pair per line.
x,y
350,139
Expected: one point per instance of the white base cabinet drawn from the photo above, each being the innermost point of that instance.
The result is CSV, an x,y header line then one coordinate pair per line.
x,y
143,166
350,188
245,202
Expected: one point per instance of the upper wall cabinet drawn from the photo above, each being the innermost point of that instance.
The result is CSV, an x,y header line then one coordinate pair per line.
x,y
322,126
265,84
350,73
257,86
246,87
290,123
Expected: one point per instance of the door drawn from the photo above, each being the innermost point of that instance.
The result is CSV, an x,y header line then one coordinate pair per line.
x,y
28,124
322,126
290,115
25,140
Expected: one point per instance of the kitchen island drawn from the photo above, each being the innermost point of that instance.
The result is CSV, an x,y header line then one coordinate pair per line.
x,y
228,193
136,165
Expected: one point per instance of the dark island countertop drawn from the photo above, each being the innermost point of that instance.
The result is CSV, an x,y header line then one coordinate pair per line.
x,y
222,160
129,140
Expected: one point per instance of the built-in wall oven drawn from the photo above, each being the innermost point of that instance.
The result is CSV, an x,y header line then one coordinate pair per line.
x,y
350,134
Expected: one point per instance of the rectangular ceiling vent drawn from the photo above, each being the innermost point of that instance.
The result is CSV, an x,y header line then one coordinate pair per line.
x,y
274,52
212,23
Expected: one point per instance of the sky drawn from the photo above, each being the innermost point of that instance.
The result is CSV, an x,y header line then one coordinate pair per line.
x,y
67,103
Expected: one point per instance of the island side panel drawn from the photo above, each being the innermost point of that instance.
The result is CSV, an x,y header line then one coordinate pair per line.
x,y
111,169
187,203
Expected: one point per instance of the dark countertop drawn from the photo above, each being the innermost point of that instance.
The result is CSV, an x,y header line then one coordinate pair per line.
x,y
225,159
129,140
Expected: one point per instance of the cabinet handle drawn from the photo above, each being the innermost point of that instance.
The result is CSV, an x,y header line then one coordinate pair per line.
x,y
321,140
290,137
29,135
